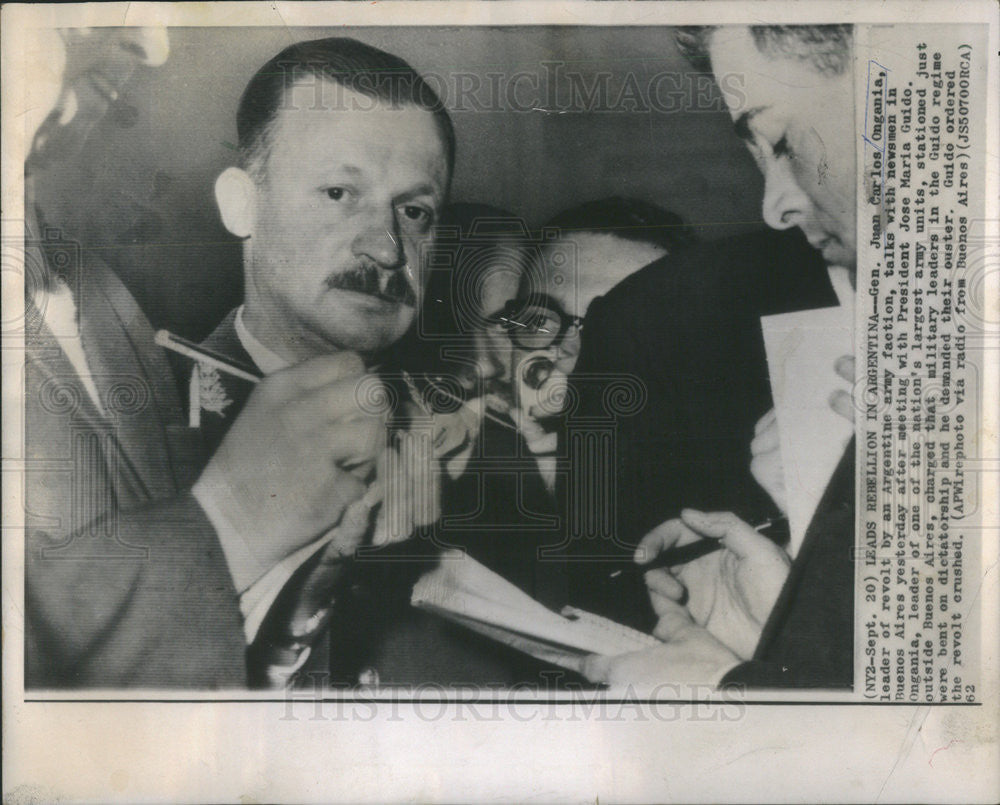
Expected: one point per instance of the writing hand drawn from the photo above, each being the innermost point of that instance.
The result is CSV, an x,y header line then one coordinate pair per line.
x,y
729,592
293,461
690,656
407,483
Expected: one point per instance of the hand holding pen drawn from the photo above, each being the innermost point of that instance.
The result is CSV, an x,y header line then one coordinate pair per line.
x,y
732,587
682,553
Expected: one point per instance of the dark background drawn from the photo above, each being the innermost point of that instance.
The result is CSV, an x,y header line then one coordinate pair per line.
x,y
142,196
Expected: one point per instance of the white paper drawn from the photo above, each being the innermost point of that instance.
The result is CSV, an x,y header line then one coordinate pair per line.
x,y
802,348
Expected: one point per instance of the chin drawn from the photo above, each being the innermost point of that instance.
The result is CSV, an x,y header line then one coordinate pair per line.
x,y
366,333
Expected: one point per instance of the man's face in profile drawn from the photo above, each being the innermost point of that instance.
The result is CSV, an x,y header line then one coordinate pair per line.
x,y
348,197
497,286
84,72
799,125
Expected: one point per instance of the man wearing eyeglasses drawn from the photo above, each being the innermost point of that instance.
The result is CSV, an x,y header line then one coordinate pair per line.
x,y
599,244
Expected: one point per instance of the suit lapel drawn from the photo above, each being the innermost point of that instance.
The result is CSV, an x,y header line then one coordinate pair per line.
x,y
52,373
133,379
221,396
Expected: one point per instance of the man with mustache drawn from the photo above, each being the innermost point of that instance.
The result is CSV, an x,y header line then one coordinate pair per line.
x,y
345,160
141,558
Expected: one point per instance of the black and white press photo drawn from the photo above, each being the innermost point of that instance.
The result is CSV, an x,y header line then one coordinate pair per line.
x,y
581,364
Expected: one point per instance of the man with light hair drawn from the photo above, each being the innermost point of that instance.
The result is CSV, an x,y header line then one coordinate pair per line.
x,y
140,556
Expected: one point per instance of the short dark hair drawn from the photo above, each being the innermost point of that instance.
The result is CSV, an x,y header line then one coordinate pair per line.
x,y
353,65
626,218
825,48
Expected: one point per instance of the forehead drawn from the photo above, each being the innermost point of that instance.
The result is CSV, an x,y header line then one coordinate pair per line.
x,y
759,81
324,124
498,282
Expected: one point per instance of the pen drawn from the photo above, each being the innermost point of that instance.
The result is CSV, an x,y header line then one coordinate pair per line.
x,y
189,349
679,555
448,395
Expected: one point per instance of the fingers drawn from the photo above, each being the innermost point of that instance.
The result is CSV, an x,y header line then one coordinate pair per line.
x,y
345,489
766,441
408,479
844,366
674,620
660,583
450,434
768,471
535,436
664,591
843,404
841,401
738,536
355,443
664,536
348,534
766,421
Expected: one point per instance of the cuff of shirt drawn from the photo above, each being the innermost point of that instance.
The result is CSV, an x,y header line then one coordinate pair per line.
x,y
243,564
256,601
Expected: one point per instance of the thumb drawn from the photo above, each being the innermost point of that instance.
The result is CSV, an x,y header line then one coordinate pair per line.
x,y
737,535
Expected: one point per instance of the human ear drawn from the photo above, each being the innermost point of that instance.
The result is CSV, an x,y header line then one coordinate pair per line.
x,y
235,193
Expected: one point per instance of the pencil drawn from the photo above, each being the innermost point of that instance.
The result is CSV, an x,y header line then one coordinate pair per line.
x,y
492,417
196,352
685,553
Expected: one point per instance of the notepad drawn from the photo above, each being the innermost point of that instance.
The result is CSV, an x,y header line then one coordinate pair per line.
x,y
464,591
802,348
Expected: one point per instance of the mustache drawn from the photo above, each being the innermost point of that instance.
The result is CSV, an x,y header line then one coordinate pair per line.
x,y
389,286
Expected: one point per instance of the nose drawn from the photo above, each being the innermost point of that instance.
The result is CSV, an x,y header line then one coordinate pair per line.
x,y
785,203
568,348
381,243
486,368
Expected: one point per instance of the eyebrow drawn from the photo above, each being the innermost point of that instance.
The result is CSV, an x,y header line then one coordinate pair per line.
x,y
419,190
742,124
415,192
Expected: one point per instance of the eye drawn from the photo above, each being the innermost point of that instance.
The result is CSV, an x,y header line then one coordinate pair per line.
x,y
416,217
335,193
415,213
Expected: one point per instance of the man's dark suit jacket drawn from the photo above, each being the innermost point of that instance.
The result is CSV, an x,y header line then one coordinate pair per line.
x,y
375,628
126,582
685,330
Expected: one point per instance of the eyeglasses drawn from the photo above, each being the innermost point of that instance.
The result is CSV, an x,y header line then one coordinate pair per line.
x,y
536,325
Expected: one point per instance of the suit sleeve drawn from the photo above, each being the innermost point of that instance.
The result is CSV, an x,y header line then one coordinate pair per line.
x,y
151,605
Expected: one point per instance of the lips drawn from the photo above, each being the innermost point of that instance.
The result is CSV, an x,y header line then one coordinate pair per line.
x,y
387,286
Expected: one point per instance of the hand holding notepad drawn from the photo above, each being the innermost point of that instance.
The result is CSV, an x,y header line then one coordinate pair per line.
x,y
802,350
464,591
